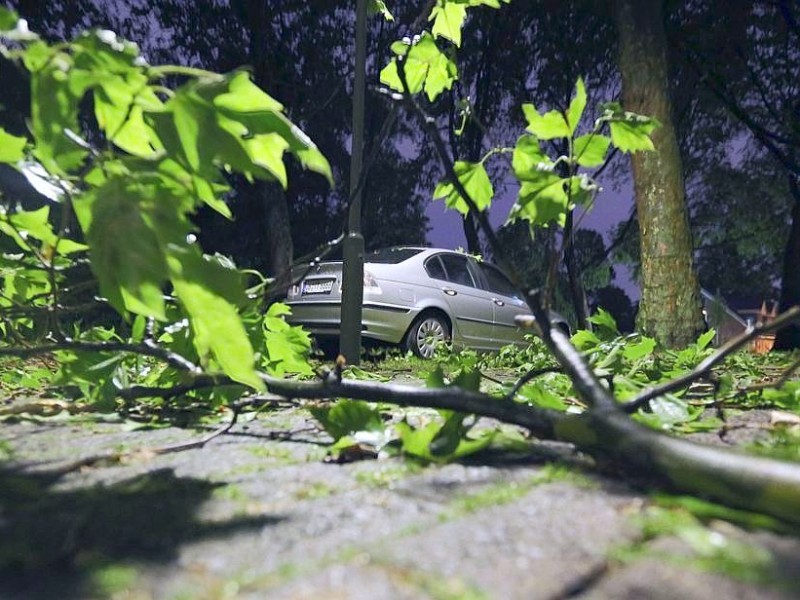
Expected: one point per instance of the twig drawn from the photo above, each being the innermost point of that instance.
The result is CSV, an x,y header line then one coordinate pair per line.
x,y
429,125
198,383
775,383
540,422
584,381
528,377
787,317
146,348
117,457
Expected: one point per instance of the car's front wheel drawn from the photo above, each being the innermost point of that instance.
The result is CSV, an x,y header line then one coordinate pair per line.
x,y
426,334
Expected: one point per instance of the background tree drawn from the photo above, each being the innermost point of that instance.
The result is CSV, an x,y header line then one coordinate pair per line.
x,y
669,309
748,62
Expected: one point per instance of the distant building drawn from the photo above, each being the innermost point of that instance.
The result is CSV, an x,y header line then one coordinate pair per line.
x,y
730,318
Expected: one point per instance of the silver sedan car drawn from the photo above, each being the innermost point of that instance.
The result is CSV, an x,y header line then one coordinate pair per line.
x,y
419,298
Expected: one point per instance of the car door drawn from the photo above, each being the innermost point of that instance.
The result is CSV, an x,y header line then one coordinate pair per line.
x,y
470,306
507,303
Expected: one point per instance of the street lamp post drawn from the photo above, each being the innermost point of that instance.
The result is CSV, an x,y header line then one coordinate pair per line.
x,y
353,245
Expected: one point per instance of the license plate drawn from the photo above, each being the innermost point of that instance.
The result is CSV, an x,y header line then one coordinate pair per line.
x,y
318,286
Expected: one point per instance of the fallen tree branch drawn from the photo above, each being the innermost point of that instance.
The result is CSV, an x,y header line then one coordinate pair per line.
x,y
527,378
790,316
775,383
723,475
118,457
146,348
539,422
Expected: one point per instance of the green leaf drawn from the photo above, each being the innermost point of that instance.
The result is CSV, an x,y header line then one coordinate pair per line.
x,y
631,138
669,411
645,347
489,3
119,109
441,442
705,339
8,19
435,379
538,395
417,441
528,159
228,122
210,293
629,132
585,340
245,97
450,434
348,417
468,379
12,148
576,106
545,126
54,108
787,396
605,325
125,250
476,182
36,225
542,201
425,66
590,149
379,7
287,346
448,19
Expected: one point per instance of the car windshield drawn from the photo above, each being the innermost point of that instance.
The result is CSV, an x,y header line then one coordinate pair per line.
x,y
391,256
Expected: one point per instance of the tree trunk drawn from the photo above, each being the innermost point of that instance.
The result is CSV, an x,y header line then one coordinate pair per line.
x,y
576,289
670,304
471,234
279,247
788,338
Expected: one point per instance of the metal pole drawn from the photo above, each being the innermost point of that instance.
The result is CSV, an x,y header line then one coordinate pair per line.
x,y
353,245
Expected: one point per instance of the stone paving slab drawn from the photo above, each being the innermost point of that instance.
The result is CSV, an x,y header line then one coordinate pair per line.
x,y
254,516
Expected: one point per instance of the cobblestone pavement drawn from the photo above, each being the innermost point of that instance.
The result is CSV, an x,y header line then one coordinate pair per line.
x,y
257,513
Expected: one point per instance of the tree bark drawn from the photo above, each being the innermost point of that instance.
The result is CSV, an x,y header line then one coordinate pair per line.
x,y
576,289
788,338
670,303
279,246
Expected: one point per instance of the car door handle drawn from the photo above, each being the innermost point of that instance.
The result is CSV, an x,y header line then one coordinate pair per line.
x,y
498,302
449,291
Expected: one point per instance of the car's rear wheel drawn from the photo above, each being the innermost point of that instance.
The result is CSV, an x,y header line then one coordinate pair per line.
x,y
427,333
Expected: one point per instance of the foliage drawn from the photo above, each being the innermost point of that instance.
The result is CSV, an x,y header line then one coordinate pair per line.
x,y
161,156
438,437
546,195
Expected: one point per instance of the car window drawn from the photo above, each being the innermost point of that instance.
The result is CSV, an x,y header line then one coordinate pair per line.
x,y
434,268
498,282
456,268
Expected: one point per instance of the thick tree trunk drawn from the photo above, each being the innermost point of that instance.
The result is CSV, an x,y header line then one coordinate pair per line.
x,y
789,337
278,247
670,304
